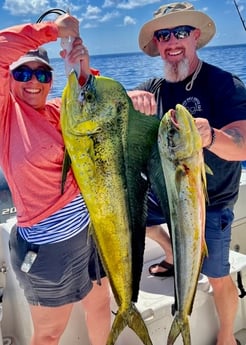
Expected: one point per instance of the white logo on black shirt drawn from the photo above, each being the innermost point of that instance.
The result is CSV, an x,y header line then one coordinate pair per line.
x,y
193,105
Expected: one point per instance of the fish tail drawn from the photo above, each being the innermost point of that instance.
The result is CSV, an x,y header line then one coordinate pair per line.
x,y
179,326
133,319
119,323
136,323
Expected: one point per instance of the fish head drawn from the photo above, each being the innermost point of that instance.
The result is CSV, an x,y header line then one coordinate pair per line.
x,y
178,136
94,107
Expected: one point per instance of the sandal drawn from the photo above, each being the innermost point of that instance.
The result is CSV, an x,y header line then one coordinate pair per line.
x,y
169,269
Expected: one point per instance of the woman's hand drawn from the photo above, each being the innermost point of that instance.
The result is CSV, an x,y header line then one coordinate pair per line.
x,y
78,55
67,25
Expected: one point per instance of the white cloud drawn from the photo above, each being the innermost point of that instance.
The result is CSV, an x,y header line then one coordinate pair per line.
x,y
241,8
25,7
129,21
89,26
17,7
108,3
67,5
108,16
127,4
130,4
92,12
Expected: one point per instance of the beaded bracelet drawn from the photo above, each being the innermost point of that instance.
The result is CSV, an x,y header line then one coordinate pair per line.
x,y
213,137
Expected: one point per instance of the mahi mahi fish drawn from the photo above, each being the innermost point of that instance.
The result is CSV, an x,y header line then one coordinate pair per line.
x,y
109,144
180,148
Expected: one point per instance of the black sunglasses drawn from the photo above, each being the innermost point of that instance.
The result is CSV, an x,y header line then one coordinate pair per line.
x,y
179,32
24,74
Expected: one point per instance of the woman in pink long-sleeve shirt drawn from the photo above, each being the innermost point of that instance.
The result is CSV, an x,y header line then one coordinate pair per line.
x,y
50,253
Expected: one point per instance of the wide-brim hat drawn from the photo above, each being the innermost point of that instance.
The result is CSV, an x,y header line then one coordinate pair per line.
x,y
172,15
37,55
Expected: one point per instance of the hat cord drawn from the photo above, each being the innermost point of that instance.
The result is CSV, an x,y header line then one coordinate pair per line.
x,y
189,85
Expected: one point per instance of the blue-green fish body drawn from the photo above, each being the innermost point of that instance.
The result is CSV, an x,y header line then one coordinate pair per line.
x,y
181,153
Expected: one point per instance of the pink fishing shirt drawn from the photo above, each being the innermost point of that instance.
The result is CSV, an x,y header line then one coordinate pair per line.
x,y
31,144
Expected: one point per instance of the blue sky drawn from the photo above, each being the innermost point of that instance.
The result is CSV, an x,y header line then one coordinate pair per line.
x,y
112,26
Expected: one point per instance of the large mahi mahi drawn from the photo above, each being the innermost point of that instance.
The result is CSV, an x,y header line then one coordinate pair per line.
x,y
181,154
109,144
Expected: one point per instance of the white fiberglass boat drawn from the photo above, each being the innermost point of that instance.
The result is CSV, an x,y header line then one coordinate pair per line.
x,y
155,298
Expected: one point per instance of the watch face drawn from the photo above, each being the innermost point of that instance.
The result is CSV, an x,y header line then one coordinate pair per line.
x,y
7,209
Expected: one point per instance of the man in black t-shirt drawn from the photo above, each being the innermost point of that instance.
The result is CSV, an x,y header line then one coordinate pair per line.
x,y
217,100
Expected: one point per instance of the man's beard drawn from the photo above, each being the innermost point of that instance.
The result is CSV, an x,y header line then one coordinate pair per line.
x,y
177,71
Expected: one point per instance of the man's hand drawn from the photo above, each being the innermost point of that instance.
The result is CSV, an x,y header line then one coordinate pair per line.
x,y
143,101
204,129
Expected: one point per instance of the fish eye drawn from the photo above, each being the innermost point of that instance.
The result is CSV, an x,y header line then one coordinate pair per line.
x,y
89,96
172,132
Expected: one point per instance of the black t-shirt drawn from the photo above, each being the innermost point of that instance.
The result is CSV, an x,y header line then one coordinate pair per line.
x,y
219,97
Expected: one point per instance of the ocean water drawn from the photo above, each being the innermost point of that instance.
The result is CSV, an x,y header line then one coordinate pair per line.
x,y
130,69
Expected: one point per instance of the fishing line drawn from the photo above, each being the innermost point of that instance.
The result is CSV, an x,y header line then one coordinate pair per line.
x,y
51,11
66,42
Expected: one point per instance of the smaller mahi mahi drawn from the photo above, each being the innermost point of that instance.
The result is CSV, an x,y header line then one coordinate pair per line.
x,y
109,144
181,154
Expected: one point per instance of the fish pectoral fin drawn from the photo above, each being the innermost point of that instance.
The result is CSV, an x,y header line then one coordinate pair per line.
x,y
65,168
179,175
208,170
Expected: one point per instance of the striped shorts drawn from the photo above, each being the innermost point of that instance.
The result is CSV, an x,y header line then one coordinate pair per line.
x,y
60,273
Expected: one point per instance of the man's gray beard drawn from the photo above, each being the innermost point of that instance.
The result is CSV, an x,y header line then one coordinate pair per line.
x,y
175,72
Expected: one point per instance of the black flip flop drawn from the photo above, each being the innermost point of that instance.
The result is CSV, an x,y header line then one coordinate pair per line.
x,y
169,269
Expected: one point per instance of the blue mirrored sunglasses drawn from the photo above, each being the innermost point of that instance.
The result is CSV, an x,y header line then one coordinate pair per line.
x,y
179,32
24,74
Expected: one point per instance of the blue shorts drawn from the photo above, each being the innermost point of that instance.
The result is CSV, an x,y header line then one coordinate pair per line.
x,y
155,215
62,272
218,239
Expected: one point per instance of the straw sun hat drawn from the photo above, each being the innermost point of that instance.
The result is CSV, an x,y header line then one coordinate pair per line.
x,y
172,15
